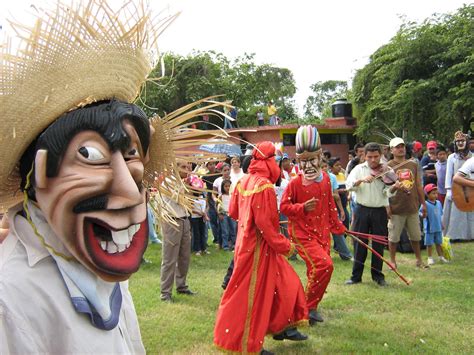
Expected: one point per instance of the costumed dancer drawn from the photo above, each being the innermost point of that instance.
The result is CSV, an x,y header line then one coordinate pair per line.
x,y
312,214
264,295
84,157
458,225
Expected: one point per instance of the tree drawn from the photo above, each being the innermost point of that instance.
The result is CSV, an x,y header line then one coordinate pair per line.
x,y
325,93
201,74
421,81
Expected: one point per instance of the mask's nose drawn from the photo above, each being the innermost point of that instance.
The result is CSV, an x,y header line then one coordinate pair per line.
x,y
124,191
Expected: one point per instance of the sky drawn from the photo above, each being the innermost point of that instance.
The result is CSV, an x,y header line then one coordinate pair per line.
x,y
317,40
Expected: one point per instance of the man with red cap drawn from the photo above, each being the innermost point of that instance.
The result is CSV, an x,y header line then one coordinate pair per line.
x,y
309,204
264,295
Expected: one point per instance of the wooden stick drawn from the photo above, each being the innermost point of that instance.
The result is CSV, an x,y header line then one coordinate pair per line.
x,y
380,256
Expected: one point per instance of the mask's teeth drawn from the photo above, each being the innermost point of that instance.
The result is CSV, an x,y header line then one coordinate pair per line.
x,y
120,237
111,248
121,247
131,232
103,244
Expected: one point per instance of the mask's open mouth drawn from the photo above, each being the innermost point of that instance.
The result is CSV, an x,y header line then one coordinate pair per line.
x,y
115,251
115,241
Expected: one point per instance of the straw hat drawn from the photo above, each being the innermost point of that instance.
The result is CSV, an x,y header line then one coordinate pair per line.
x,y
76,55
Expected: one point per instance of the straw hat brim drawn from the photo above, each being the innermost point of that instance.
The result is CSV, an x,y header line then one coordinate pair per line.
x,y
72,56
77,55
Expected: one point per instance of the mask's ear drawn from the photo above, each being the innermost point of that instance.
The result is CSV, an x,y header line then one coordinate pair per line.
x,y
41,179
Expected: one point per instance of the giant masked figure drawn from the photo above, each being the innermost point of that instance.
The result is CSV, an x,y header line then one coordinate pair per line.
x,y
458,225
83,156
312,215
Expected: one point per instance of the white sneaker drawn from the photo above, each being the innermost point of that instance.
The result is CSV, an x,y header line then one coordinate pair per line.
x,y
431,261
443,259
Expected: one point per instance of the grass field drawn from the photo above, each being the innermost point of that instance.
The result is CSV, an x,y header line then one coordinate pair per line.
x,y
434,315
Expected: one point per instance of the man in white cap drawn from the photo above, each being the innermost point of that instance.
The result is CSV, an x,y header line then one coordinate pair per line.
x,y
404,205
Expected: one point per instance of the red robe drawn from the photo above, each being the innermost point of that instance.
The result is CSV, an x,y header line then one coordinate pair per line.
x,y
311,231
264,295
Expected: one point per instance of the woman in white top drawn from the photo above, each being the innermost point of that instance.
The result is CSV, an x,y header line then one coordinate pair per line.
x,y
236,172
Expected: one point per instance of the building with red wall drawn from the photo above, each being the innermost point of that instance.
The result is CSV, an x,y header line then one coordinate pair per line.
x,y
337,136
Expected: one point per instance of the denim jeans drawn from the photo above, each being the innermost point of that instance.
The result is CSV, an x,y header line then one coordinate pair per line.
x,y
215,225
153,237
284,226
341,247
229,228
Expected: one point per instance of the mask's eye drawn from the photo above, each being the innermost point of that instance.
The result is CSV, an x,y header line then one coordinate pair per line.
x,y
133,153
91,153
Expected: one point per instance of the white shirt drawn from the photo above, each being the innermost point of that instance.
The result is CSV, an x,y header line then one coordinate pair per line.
x,y
235,177
225,202
36,312
468,168
374,194
453,164
279,191
199,205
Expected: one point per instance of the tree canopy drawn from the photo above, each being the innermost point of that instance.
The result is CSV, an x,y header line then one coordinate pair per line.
x,y
249,86
419,84
318,105
421,81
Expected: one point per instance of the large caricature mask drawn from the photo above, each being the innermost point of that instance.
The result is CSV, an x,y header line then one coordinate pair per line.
x,y
90,153
310,165
89,167
460,142
308,152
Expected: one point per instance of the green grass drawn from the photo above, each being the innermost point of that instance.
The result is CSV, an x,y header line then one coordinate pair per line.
x,y
434,315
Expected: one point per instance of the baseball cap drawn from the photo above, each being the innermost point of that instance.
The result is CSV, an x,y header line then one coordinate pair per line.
x,y
417,146
432,144
396,141
429,187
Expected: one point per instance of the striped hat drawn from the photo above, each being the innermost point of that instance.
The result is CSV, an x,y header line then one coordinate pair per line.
x,y
307,140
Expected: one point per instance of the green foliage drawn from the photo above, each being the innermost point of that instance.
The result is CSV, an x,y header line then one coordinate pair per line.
x,y
203,74
431,316
421,81
325,93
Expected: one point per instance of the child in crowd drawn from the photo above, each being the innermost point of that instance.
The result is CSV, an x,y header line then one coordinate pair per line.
x,y
340,245
440,167
432,223
228,225
199,218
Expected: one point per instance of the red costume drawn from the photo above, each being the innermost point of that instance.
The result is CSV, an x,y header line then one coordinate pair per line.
x,y
264,295
310,231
